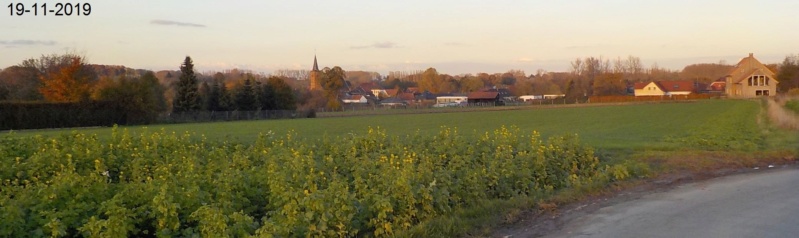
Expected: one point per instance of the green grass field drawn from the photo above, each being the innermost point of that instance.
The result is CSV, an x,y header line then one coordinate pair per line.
x,y
704,125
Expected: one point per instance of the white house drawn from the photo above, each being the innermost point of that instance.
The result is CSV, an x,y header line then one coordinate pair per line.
x,y
452,99
355,99
526,98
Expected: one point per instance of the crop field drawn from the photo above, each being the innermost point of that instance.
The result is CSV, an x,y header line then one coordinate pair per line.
x,y
714,124
350,176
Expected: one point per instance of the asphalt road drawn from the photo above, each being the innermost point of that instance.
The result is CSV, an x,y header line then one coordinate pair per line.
x,y
760,204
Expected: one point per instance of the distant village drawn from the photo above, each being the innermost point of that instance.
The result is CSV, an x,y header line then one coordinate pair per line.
x,y
749,78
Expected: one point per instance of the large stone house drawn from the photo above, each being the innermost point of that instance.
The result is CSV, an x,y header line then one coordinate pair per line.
x,y
750,79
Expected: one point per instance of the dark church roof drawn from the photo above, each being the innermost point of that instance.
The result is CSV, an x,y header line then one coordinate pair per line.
x,y
315,66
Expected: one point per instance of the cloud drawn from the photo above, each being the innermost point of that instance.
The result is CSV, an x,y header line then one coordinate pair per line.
x,y
377,45
175,23
524,59
15,43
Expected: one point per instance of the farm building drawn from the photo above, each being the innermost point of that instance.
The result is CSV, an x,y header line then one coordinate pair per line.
x,y
484,98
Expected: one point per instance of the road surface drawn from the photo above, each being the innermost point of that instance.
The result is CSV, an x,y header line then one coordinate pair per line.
x,y
760,204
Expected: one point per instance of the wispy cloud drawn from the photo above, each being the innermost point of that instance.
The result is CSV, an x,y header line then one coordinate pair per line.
x,y
175,23
377,45
15,43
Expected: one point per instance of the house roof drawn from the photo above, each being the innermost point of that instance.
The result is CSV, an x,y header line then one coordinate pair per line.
x,y
392,92
406,96
717,86
749,66
677,86
642,85
483,95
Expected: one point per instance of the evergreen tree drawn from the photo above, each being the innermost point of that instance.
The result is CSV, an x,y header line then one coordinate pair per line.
x,y
245,97
188,97
214,96
225,101
205,91
283,95
267,96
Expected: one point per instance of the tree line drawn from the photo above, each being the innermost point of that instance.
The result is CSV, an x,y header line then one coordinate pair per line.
x,y
143,95
56,87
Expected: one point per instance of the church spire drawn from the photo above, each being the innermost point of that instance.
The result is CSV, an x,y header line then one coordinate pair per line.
x,y
315,66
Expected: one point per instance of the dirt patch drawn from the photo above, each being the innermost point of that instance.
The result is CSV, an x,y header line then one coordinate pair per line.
x,y
544,221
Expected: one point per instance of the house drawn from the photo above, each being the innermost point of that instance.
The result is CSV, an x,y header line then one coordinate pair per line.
x,y
750,79
374,89
392,92
355,99
664,88
452,99
527,98
394,102
717,86
677,87
553,96
407,97
483,97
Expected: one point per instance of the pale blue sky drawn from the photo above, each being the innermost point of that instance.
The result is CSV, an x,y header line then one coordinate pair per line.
x,y
462,36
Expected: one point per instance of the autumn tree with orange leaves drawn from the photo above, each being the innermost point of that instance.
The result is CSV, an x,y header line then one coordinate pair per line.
x,y
69,83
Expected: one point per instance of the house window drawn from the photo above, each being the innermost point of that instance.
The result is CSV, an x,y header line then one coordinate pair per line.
x,y
750,81
765,92
759,93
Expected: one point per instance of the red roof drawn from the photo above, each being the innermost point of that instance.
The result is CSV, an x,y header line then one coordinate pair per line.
x,y
406,96
641,85
717,86
677,86
483,95
369,86
392,92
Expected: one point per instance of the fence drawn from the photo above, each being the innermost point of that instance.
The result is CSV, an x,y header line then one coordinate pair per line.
x,y
210,116
606,99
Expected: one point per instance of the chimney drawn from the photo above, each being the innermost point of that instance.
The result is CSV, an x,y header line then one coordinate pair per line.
x,y
751,55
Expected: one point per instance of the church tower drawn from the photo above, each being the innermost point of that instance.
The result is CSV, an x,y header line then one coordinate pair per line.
x,y
314,76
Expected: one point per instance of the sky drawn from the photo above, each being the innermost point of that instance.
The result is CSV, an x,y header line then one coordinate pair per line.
x,y
453,36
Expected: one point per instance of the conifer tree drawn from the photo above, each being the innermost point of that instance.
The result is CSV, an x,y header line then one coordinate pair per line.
x,y
245,97
188,96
